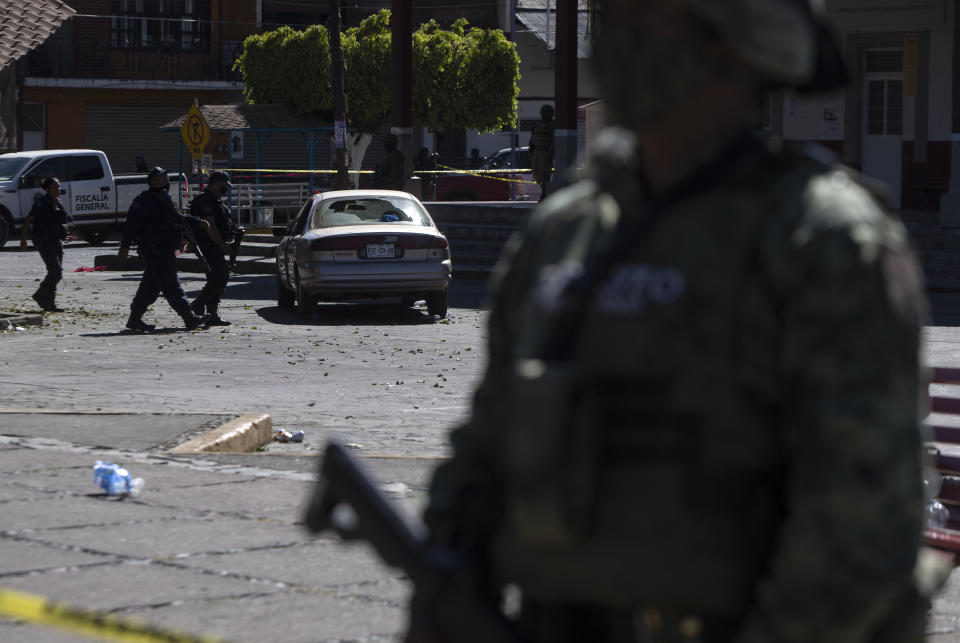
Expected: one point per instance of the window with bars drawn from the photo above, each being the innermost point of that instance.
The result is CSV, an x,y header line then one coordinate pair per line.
x,y
160,24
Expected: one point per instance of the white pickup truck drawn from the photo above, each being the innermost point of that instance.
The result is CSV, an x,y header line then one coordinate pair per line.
x,y
96,199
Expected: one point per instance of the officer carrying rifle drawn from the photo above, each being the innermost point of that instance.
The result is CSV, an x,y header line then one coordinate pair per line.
x,y
209,207
157,227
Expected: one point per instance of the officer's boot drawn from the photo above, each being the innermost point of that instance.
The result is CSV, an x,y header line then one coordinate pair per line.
x,y
215,316
198,305
135,322
193,322
44,299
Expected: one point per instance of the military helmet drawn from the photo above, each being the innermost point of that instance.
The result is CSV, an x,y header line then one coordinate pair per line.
x,y
157,171
220,175
786,41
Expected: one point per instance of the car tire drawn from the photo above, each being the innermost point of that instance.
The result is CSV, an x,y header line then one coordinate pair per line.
x,y
285,298
4,230
437,303
306,303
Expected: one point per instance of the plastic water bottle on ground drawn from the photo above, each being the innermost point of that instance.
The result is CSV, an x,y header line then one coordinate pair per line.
x,y
115,480
937,514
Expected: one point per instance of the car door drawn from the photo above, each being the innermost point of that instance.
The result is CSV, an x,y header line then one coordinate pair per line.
x,y
286,250
92,194
51,166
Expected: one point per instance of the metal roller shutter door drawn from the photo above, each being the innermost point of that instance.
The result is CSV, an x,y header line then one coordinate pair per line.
x,y
125,131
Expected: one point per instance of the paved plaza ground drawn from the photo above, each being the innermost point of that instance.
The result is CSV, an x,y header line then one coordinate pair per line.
x,y
215,544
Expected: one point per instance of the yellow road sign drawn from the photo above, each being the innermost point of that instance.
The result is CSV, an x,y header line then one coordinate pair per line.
x,y
195,131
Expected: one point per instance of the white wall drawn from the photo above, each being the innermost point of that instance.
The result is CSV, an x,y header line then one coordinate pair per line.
x,y
813,118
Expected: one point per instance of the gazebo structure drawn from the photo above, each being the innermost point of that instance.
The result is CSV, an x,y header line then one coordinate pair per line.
x,y
261,121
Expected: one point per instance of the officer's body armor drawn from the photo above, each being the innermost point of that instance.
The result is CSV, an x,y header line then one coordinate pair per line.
x,y
160,229
207,204
642,447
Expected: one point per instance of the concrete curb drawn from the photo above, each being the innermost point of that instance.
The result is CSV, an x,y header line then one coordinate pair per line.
x,y
9,321
244,434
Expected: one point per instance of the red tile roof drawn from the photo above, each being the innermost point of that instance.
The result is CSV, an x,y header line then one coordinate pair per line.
x,y
25,24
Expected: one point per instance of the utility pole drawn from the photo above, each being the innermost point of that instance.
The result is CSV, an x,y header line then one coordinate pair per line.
x,y
339,100
565,84
401,21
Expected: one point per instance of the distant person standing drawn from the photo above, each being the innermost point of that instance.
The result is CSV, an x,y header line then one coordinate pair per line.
x,y
426,163
157,227
542,148
389,174
48,221
213,245
475,160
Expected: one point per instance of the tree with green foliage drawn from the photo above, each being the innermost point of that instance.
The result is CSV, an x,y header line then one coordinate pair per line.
x,y
463,77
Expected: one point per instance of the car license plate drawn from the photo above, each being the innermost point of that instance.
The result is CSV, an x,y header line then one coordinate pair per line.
x,y
380,251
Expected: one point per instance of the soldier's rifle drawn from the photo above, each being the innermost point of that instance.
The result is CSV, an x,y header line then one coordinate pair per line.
x,y
238,232
345,501
183,224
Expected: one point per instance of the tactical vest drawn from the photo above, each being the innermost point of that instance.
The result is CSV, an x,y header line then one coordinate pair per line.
x,y
161,231
642,461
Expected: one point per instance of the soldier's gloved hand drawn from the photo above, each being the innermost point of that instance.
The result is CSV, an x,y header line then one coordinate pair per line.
x,y
122,254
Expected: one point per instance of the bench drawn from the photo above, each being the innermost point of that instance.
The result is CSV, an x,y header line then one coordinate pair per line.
x,y
944,426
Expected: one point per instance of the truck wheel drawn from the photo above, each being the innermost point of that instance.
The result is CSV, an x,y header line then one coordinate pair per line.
x,y
285,298
4,230
437,303
93,238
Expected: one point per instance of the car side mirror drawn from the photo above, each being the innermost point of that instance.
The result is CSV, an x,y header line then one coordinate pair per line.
x,y
279,231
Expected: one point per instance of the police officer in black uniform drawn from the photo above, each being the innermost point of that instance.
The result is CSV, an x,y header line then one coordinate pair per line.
x,y
213,244
157,227
47,221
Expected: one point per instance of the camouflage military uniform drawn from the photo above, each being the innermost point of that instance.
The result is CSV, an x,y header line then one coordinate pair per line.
x,y
701,409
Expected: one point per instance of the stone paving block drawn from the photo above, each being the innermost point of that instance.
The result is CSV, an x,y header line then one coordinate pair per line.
x,y
326,563
53,512
17,557
132,586
286,617
277,498
167,539
17,632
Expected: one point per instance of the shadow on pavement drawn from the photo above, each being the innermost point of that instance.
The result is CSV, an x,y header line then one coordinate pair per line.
x,y
135,333
349,314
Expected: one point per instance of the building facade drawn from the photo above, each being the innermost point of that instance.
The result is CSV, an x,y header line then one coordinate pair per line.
x,y
895,121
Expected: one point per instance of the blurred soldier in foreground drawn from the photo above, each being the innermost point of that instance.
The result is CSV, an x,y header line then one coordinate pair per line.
x,y
213,245
157,227
699,420
541,149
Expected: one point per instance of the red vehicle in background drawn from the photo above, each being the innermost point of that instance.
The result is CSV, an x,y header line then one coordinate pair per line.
x,y
493,186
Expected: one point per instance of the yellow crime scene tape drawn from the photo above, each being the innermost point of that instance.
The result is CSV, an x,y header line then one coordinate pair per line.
x,y
41,611
485,174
